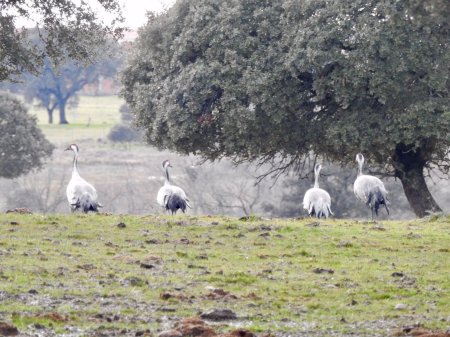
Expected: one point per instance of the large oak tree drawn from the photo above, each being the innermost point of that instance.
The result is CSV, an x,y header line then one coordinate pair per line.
x,y
277,81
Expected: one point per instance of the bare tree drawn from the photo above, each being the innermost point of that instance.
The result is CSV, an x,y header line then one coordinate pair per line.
x,y
42,191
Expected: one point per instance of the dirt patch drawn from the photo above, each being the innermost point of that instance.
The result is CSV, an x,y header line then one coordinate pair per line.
x,y
20,211
196,327
53,316
220,294
178,296
8,329
420,332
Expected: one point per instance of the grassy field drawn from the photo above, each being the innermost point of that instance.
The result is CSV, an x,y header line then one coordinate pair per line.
x,y
92,118
113,275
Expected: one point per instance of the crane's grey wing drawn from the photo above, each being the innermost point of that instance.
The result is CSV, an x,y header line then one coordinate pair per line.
x,y
372,192
317,202
82,195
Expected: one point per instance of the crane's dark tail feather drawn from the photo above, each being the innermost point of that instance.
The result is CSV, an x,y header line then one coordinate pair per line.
x,y
375,199
320,213
87,204
174,202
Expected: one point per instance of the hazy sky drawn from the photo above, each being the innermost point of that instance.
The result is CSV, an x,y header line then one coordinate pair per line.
x,y
134,10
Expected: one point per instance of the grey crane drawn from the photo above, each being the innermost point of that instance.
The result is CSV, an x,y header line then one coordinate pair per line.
x,y
317,201
370,189
171,197
80,194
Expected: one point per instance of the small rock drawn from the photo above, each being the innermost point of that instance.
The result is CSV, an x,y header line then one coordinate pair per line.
x,y
133,281
121,225
202,257
39,326
152,241
323,271
166,309
265,228
33,292
219,315
397,274
146,265
400,306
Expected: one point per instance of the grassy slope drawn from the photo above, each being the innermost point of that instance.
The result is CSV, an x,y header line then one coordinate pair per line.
x,y
92,118
88,272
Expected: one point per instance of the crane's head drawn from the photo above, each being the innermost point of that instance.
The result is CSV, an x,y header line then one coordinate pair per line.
x,y
317,168
72,147
360,158
166,164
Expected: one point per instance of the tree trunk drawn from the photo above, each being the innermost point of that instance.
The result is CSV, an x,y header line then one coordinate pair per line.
x,y
409,166
50,116
62,114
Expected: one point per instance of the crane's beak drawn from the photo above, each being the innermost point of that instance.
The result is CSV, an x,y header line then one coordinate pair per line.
x,y
67,149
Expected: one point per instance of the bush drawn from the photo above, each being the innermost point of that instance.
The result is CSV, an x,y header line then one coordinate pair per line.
x,y
124,133
23,146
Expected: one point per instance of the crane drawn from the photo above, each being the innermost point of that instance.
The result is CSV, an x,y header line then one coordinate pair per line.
x,y
80,194
169,196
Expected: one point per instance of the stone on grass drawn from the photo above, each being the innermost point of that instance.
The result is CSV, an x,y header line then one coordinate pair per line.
x,y
219,315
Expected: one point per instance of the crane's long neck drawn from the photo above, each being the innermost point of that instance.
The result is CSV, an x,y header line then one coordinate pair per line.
x,y
167,181
75,159
316,178
360,165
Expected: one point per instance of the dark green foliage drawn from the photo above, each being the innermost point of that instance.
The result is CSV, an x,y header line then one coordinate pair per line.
x,y
23,146
68,29
275,81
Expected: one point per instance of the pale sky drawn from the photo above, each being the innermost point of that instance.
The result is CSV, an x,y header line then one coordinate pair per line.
x,y
133,10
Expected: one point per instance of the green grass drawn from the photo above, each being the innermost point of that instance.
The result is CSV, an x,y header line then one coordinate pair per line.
x,y
92,118
338,276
